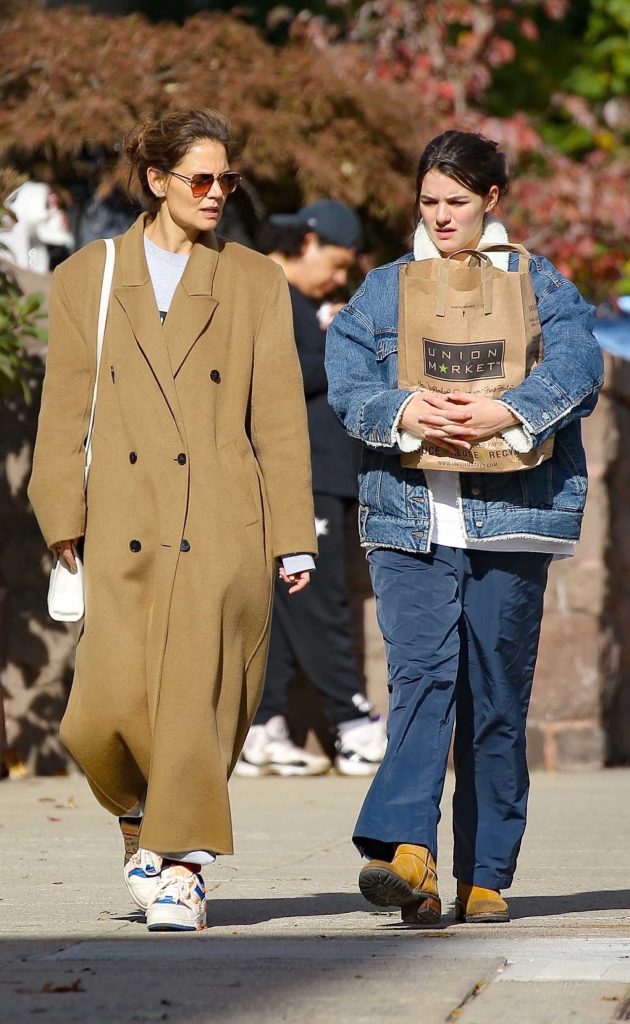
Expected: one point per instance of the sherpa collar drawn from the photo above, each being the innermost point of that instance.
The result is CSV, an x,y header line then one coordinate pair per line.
x,y
424,248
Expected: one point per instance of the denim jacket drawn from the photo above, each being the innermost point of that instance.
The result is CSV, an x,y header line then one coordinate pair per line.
x,y
542,503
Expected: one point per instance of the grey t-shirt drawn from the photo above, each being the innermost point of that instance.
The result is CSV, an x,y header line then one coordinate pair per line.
x,y
165,271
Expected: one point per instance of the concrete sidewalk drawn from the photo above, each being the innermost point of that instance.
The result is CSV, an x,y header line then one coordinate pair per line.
x,y
289,936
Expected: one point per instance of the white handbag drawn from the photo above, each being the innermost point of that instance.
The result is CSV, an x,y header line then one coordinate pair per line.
x,y
66,601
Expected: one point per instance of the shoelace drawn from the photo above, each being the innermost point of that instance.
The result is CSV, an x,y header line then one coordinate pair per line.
x,y
178,889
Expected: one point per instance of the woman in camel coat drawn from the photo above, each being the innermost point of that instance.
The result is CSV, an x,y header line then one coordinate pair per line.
x,y
200,481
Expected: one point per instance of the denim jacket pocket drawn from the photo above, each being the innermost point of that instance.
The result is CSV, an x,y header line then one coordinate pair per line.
x,y
386,342
537,485
569,482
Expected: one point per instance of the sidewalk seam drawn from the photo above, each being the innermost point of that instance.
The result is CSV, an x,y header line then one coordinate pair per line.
x,y
473,993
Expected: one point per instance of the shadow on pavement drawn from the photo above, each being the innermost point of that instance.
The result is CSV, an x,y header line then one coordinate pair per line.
x,y
195,979
570,903
236,912
247,911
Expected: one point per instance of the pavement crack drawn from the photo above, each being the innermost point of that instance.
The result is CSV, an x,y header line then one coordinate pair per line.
x,y
473,994
623,1013
314,853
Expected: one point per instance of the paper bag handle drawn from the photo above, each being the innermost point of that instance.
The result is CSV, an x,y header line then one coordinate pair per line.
x,y
486,282
471,252
524,254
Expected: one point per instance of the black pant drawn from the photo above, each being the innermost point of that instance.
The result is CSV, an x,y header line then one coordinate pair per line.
x,y
313,629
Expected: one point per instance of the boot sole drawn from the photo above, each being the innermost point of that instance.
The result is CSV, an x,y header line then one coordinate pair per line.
x,y
385,888
492,917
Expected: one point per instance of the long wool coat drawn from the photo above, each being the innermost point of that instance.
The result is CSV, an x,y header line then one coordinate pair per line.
x,y
200,479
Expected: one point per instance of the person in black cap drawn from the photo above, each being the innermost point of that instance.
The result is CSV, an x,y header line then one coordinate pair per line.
x,y
316,247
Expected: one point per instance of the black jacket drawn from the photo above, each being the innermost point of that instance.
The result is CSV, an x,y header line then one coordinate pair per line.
x,y
334,455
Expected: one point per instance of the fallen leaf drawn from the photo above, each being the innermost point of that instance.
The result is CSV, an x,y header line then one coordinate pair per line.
x,y
75,986
70,803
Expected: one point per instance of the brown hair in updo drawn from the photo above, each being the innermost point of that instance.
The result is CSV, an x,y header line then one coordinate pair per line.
x,y
467,157
163,142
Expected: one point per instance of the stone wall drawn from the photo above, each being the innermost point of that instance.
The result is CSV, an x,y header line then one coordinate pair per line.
x,y
580,713
35,653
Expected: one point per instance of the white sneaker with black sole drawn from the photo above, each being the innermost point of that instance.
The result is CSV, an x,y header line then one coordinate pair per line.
x,y
268,750
179,902
361,748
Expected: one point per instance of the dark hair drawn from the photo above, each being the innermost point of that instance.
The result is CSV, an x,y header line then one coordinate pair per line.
x,y
287,239
163,142
467,157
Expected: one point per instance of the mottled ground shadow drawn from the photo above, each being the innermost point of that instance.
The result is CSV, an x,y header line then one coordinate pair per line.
x,y
569,903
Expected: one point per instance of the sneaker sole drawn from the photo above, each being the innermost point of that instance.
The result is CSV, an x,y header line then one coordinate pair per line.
x,y
253,771
168,923
291,770
356,770
493,917
250,771
385,888
168,926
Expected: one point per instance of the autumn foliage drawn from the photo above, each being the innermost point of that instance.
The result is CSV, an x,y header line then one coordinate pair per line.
x,y
342,109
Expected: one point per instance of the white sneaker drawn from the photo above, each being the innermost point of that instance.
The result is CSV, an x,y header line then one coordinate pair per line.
x,y
142,873
268,750
179,904
361,749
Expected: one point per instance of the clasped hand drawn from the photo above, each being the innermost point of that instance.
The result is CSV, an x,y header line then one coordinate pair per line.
x,y
456,420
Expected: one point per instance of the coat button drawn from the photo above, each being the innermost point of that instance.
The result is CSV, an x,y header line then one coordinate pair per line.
x,y
135,546
215,376
479,523
476,491
181,458
133,458
184,546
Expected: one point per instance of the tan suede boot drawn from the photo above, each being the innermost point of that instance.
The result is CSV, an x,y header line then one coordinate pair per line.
x,y
483,906
408,882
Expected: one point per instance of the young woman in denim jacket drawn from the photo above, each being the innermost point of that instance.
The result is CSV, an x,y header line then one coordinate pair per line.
x,y
459,561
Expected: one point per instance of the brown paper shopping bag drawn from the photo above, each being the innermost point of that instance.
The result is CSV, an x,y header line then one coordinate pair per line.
x,y
468,326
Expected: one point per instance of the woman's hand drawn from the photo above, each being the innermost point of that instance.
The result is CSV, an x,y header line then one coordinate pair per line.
x,y
433,417
298,579
487,417
63,553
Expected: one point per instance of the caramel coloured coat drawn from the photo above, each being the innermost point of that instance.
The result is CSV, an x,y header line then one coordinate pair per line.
x,y
200,479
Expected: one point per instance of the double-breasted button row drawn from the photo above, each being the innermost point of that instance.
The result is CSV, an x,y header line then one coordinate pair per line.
x,y
135,546
181,458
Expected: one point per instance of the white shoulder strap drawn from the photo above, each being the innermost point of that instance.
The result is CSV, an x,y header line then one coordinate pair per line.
x,y
106,288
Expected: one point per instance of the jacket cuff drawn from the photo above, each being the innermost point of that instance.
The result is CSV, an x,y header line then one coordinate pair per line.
x,y
297,563
408,442
518,436
379,417
518,439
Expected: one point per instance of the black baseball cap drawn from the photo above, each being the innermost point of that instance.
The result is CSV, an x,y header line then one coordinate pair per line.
x,y
334,222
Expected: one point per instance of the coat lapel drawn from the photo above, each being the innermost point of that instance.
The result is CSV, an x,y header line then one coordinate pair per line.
x,y
135,294
193,304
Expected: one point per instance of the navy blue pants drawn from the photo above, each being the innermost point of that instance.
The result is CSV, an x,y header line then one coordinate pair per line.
x,y
461,631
